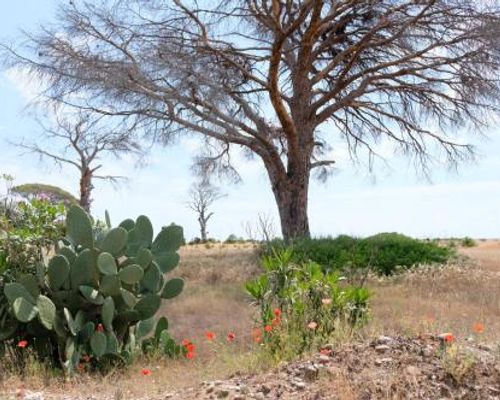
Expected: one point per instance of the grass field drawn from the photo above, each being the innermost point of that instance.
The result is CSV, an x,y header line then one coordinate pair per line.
x,y
452,298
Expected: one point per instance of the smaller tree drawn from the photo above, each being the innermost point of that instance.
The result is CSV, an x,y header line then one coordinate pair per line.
x,y
52,193
202,195
83,139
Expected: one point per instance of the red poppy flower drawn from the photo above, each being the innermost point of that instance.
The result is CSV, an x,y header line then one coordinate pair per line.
x,y
325,352
277,312
268,328
146,372
100,328
478,327
448,337
185,342
231,336
190,347
190,355
22,344
210,335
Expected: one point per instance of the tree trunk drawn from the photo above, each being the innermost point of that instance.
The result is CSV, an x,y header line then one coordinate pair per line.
x,y
86,189
203,228
291,194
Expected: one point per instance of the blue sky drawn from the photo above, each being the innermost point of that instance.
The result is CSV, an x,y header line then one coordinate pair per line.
x,y
353,201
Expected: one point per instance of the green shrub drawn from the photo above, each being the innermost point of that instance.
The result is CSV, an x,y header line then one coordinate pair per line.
x,y
468,242
301,306
28,234
97,297
384,253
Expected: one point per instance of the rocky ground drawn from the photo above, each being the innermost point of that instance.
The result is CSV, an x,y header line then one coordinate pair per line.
x,y
388,368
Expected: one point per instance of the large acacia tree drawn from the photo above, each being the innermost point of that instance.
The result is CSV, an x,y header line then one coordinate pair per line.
x,y
284,79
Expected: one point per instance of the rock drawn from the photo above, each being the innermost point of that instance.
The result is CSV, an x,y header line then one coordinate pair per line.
x,y
382,361
382,348
324,359
385,340
485,347
310,373
412,370
298,384
34,396
265,389
222,393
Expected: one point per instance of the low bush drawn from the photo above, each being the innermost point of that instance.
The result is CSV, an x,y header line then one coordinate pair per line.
x,y
384,253
300,306
468,242
96,299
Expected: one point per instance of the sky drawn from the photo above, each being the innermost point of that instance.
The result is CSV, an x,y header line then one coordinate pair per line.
x,y
391,198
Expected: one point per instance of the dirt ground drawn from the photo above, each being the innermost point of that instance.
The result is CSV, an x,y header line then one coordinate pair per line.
x,y
457,298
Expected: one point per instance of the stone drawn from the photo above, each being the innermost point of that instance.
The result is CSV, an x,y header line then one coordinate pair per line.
x,y
385,340
298,384
34,396
382,361
382,348
310,373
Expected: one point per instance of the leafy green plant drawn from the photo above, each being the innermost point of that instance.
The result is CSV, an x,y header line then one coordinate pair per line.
x,y
468,242
28,235
385,253
301,306
97,295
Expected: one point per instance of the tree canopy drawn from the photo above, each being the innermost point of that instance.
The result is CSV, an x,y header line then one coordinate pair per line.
x,y
289,81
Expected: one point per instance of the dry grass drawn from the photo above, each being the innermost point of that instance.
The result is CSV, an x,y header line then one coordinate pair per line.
x,y
452,299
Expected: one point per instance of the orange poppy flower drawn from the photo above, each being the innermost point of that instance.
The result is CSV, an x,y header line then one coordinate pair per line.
x,y
478,327
257,335
448,337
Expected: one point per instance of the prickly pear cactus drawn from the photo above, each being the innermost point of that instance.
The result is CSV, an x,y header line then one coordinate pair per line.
x,y
99,294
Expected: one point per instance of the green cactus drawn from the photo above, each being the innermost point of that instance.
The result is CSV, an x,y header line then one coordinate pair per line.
x,y
98,343
108,313
114,278
115,241
46,311
131,274
172,288
107,264
79,228
58,271
24,310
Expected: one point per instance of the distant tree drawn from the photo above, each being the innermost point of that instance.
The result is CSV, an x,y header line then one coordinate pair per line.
x,y
80,141
289,81
202,195
53,193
